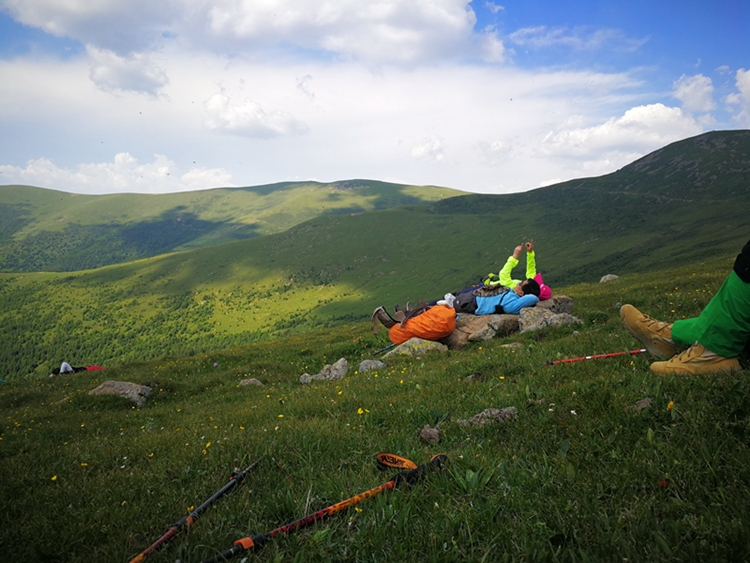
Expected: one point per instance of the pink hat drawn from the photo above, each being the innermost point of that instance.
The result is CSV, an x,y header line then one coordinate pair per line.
x,y
544,291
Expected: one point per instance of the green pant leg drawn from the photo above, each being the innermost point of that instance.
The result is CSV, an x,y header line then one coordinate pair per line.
x,y
724,324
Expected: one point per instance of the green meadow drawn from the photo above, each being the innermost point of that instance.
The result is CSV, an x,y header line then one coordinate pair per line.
x,y
577,476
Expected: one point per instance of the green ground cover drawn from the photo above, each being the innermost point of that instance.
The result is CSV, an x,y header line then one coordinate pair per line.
x,y
576,477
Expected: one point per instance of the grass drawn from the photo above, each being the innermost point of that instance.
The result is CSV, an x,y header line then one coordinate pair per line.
x,y
576,477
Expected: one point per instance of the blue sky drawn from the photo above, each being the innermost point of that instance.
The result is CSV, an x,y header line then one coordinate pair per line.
x,y
108,96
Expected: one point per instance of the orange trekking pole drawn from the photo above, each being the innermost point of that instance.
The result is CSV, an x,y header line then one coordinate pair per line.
x,y
404,477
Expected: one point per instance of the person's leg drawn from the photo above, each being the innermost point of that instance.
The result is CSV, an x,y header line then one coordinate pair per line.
x,y
723,327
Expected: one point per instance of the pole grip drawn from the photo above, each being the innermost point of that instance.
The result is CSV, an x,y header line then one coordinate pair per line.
x,y
415,475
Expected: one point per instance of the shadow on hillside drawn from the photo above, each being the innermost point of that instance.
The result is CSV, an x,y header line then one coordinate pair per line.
x,y
85,247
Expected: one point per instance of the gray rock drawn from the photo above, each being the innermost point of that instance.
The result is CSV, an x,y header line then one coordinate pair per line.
x,y
251,381
136,393
532,318
479,328
416,346
557,304
328,373
608,277
430,435
640,405
490,416
369,365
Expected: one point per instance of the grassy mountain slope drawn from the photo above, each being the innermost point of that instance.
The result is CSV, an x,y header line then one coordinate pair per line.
x,y
578,476
332,270
55,231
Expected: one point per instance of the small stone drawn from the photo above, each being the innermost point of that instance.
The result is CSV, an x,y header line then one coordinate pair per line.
x,y
490,416
370,365
430,435
251,381
640,405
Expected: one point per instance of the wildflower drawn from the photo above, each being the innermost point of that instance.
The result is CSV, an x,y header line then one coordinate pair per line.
x,y
207,445
360,411
670,405
54,477
84,464
281,416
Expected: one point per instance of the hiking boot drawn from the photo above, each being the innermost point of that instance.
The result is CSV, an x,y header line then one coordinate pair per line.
x,y
655,335
696,360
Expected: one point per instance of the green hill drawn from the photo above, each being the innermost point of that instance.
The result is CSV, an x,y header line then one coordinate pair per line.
x,y
47,230
334,270
578,475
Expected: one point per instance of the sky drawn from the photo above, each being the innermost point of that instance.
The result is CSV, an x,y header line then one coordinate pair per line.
x,y
106,96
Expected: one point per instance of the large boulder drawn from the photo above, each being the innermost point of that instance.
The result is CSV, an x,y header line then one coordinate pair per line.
x,y
479,328
328,373
416,346
557,304
554,311
132,391
532,318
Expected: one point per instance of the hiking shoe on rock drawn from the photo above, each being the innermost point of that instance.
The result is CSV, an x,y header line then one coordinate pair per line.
x,y
696,360
655,335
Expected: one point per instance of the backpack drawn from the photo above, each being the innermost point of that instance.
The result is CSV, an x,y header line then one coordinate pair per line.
x,y
466,301
426,321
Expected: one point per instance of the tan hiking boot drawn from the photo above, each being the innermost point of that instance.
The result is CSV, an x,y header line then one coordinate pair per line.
x,y
655,335
696,360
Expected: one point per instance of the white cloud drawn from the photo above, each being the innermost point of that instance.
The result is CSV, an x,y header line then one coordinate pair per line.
x,y
695,93
386,31
494,8
249,119
741,99
642,128
123,174
580,38
134,73
122,27
492,49
619,141
429,149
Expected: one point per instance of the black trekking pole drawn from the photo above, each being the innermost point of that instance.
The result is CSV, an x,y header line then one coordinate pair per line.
x,y
188,520
258,541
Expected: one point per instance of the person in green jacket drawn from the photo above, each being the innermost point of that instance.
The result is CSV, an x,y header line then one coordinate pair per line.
x,y
504,277
716,337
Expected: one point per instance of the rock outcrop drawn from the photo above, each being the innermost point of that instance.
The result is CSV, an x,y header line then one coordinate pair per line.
x,y
328,373
132,391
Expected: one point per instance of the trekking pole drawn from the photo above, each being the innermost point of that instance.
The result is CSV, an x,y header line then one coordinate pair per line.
x,y
188,520
548,362
258,541
384,349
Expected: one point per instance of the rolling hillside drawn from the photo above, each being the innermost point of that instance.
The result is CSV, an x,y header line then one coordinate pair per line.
x,y
48,230
682,205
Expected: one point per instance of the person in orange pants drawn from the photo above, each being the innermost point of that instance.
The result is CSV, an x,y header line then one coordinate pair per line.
x,y
716,337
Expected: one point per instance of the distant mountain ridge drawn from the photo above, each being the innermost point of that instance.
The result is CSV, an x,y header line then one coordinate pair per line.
x,y
687,204
48,230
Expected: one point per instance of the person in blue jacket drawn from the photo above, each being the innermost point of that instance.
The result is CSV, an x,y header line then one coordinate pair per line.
x,y
524,294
